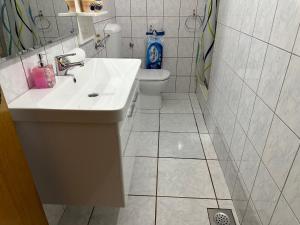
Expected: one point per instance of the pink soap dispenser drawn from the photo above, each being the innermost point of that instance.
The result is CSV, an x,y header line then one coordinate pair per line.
x,y
43,75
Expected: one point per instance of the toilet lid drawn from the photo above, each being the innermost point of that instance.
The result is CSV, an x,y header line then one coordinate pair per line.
x,y
153,75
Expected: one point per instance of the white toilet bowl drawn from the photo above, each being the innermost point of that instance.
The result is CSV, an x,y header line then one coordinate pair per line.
x,y
151,84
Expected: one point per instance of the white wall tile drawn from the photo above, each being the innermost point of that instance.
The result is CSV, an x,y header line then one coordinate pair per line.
x,y
138,7
234,93
255,63
183,30
170,47
171,26
52,32
183,84
273,75
12,79
171,7
249,16
238,142
69,44
292,187
126,49
201,7
184,66
264,19
251,216
297,44
155,8
193,85
286,23
288,106
186,47
283,214
65,27
246,107
139,49
125,23
46,6
187,7
241,55
265,195
282,145
236,10
260,125
171,65
122,7
156,22
139,26
171,85
249,165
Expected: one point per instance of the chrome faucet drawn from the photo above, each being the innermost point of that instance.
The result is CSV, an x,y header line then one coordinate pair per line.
x,y
63,65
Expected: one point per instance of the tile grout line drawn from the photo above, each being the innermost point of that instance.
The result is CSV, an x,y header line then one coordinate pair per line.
x,y
90,217
167,157
177,55
193,66
157,167
205,158
178,197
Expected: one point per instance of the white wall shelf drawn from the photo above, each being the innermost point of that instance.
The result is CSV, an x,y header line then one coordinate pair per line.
x,y
86,29
88,14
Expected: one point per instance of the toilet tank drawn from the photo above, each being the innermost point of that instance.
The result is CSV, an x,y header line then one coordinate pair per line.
x,y
113,43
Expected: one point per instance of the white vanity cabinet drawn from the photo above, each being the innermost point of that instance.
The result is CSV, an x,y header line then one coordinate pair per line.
x,y
80,163
74,143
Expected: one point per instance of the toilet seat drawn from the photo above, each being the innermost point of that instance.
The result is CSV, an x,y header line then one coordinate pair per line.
x,y
153,75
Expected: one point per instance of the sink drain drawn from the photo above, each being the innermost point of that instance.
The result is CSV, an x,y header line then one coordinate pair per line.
x,y
93,95
222,219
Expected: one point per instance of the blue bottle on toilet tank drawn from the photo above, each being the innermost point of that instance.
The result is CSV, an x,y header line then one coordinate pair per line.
x,y
154,52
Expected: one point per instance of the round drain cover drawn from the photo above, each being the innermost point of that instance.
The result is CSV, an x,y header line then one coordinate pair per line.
x,y
222,219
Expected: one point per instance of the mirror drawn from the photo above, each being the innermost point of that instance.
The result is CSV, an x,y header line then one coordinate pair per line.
x,y
30,24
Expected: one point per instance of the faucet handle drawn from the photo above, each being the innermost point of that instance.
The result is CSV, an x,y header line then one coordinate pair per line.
x,y
64,56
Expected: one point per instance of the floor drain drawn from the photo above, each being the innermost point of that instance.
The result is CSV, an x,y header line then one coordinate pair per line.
x,y
221,217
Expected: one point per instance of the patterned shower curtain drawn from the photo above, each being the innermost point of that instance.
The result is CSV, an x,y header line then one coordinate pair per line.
x,y
206,43
18,26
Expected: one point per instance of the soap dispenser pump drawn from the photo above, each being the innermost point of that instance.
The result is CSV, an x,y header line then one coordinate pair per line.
x,y
43,75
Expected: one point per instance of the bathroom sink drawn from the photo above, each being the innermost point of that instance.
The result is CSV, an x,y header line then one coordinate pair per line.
x,y
101,91
74,135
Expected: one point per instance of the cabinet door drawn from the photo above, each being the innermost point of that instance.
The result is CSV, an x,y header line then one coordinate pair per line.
x,y
19,201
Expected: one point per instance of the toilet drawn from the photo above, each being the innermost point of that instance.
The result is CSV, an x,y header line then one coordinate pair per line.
x,y
151,82
151,85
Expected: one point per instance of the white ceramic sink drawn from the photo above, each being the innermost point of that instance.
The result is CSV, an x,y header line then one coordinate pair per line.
x,y
111,79
75,144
